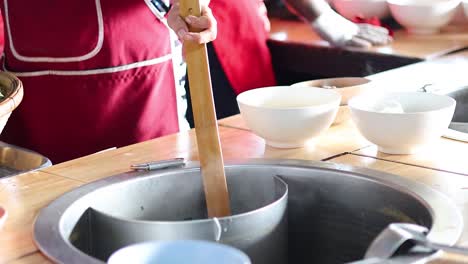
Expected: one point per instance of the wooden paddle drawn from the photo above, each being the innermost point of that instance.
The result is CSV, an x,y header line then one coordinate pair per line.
x,y
206,126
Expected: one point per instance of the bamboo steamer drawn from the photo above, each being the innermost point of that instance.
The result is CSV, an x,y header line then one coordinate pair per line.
x,y
12,89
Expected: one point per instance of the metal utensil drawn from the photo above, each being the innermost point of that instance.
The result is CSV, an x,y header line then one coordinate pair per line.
x,y
391,239
403,237
160,164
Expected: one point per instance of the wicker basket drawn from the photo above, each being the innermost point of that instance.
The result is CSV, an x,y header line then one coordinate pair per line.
x,y
12,89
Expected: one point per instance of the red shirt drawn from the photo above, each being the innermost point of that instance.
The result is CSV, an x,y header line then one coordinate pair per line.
x,y
241,44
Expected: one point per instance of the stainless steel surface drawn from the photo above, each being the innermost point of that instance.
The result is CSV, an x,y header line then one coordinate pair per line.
x,y
461,96
409,258
389,241
334,211
459,126
406,237
173,207
161,164
458,129
15,160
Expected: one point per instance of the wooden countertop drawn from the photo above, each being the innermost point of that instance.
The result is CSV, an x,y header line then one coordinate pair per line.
x,y
451,39
24,195
443,168
298,53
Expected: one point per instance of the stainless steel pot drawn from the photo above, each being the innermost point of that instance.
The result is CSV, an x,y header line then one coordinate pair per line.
x,y
170,206
15,160
334,212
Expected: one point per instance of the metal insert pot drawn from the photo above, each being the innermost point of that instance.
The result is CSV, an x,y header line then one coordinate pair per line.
x,y
334,212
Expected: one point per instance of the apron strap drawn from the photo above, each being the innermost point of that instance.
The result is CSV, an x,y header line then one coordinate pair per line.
x,y
93,71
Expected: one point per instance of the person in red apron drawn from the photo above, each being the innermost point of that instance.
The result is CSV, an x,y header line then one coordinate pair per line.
x,y
97,74
239,56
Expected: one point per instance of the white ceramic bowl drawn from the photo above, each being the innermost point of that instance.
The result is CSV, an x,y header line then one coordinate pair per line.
x,y
179,251
363,8
426,117
285,116
423,16
347,87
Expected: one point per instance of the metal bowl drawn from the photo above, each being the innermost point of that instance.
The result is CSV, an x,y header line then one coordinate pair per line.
x,y
15,160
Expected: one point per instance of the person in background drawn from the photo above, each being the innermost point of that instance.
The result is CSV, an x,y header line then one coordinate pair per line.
x,y
238,54
97,74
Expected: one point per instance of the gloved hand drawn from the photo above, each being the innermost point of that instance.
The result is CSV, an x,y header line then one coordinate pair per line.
x,y
206,22
339,31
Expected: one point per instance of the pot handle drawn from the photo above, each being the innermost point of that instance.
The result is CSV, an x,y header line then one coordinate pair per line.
x,y
391,240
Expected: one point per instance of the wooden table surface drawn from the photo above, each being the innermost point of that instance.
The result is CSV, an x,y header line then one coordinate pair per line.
x,y
24,195
443,168
419,46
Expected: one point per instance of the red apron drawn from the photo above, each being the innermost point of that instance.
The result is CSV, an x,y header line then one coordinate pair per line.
x,y
96,74
241,44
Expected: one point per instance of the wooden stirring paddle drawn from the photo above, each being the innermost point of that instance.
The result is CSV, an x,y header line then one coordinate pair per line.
x,y
206,126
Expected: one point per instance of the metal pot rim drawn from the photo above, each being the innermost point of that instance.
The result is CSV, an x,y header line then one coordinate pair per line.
x,y
276,202
446,228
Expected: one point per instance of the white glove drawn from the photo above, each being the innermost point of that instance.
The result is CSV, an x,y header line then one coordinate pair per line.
x,y
339,31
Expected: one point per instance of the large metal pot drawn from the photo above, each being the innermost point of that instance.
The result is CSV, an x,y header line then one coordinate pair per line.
x,y
334,212
171,205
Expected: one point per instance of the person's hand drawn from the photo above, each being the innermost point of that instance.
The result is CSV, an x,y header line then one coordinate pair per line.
x,y
370,35
205,24
339,31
